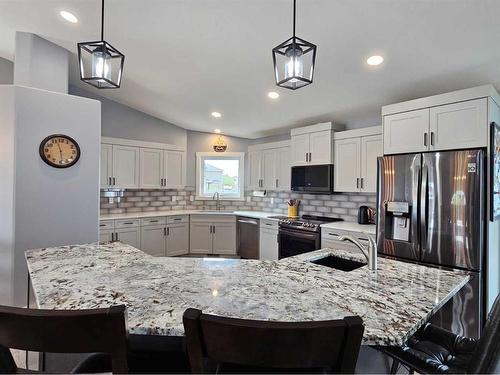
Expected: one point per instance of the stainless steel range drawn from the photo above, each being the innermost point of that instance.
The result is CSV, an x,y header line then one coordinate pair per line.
x,y
300,235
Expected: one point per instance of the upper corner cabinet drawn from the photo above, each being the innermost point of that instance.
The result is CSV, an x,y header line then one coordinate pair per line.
x,y
312,144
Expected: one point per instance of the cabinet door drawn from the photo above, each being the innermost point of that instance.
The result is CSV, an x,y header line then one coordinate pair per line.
x,y
106,165
153,240
175,169
130,236
300,149
320,147
151,168
459,125
347,169
200,238
178,239
254,168
126,165
406,132
268,244
269,160
224,238
371,149
284,169
106,235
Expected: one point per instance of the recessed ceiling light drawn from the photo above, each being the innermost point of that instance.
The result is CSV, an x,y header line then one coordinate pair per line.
x,y
68,16
216,114
273,95
217,131
375,60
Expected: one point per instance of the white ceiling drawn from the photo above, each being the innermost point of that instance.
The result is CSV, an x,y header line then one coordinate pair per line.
x,y
187,58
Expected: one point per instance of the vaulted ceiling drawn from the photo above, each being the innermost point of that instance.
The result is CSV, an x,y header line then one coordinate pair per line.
x,y
187,58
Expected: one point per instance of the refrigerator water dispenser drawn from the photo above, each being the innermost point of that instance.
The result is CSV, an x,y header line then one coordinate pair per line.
x,y
397,221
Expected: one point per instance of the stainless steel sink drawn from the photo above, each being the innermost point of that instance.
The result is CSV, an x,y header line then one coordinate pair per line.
x,y
338,263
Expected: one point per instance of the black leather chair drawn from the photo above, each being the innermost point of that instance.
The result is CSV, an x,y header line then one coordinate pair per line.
x,y
435,350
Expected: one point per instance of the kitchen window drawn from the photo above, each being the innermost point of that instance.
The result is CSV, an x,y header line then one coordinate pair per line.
x,y
220,173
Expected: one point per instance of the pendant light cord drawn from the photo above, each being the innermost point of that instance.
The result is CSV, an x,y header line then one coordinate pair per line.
x,y
102,21
294,11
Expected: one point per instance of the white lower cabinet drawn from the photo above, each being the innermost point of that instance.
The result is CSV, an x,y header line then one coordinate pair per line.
x,y
106,235
153,240
212,234
130,236
268,245
177,236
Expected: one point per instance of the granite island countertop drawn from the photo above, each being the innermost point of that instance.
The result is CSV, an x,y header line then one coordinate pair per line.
x,y
393,302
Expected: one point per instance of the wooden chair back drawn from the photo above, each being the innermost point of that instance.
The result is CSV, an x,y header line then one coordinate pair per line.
x,y
331,346
64,331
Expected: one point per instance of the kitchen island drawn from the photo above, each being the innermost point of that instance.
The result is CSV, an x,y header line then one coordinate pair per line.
x,y
393,302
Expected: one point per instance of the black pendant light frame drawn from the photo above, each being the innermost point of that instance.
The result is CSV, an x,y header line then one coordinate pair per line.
x,y
100,46
293,44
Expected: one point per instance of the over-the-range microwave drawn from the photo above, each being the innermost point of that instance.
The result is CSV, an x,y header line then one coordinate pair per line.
x,y
317,179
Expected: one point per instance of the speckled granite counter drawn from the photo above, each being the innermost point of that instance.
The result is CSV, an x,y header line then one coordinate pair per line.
x,y
393,302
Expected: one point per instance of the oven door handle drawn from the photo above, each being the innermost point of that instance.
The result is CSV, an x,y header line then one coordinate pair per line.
x,y
297,234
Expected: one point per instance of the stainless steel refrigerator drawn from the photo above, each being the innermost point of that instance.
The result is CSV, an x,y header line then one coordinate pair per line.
x,y
431,210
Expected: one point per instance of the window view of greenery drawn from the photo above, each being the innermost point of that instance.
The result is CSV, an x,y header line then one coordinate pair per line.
x,y
221,176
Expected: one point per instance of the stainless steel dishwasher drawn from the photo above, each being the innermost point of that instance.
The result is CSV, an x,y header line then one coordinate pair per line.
x,y
248,237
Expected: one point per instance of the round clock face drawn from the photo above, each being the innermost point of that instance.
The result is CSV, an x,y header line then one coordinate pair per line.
x,y
59,151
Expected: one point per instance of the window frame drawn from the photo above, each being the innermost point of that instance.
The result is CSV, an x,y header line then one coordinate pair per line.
x,y
201,156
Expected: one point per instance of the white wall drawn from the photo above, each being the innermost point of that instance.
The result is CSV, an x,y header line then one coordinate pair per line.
x,y
51,206
6,72
40,63
120,121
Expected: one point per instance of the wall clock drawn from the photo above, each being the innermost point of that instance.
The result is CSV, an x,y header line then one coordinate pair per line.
x,y
59,151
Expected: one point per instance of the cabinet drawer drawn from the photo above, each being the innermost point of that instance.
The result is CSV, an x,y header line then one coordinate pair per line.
x,y
106,224
269,224
154,221
204,218
127,223
177,219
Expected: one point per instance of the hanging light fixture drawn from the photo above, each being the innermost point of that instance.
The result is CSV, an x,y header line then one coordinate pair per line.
x,y
101,65
294,61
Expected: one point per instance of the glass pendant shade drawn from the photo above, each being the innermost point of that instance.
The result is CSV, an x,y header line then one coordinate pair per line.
x,y
101,64
294,62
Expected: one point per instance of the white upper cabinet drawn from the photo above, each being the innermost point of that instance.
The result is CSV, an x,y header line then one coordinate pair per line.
x,y
313,144
320,151
371,149
454,120
151,168
300,149
347,169
284,171
459,125
356,153
106,165
269,166
255,169
136,164
406,132
174,169
269,169
126,165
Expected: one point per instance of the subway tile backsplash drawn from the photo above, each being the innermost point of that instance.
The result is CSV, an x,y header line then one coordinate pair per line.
x,y
343,205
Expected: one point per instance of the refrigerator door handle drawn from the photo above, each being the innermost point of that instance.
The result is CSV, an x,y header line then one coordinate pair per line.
x,y
424,200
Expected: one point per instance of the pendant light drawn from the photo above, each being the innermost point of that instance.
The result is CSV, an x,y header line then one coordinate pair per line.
x,y
101,65
294,61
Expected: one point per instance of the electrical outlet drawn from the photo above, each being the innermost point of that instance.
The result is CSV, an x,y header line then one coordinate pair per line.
x,y
272,200
191,198
174,198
